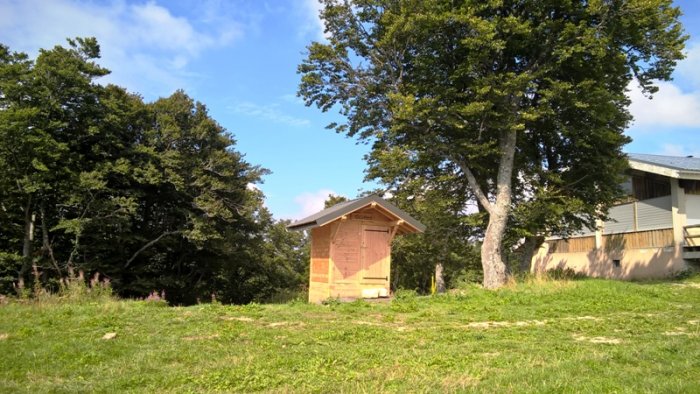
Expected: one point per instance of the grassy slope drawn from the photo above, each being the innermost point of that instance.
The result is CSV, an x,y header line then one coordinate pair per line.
x,y
588,335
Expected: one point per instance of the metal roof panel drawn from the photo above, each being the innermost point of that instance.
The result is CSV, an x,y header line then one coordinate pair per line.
x,y
337,211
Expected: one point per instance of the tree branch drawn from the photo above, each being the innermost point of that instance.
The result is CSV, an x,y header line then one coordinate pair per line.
x,y
478,192
148,245
45,238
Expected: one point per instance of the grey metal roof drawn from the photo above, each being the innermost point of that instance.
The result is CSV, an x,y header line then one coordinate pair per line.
x,y
336,211
682,163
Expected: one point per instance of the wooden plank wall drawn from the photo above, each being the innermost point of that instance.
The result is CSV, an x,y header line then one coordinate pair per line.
x,y
346,251
376,254
639,239
320,253
572,245
319,288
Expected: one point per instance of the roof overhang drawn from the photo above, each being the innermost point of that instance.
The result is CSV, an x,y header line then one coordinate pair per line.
x,y
663,170
406,223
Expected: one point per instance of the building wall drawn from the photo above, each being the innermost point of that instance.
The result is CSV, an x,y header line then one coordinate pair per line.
x,y
692,204
319,276
351,251
649,214
643,239
337,251
642,263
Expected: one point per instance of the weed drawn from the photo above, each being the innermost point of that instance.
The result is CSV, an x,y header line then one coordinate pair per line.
x,y
405,301
561,273
331,301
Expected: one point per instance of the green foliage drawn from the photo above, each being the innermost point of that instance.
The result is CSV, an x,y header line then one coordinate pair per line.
x,y
10,264
333,200
152,195
551,336
561,273
521,104
448,239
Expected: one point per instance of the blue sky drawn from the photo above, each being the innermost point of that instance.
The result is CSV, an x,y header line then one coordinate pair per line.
x,y
239,57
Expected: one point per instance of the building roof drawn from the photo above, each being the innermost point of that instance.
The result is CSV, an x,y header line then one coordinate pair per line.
x,y
681,167
339,210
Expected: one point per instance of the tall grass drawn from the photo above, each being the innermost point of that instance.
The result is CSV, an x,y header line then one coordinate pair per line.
x,y
73,288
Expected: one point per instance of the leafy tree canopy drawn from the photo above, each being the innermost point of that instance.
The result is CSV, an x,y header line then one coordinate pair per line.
x,y
154,196
522,102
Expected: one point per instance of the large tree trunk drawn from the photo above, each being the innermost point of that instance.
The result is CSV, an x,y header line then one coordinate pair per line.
x,y
28,244
495,272
491,253
45,240
439,279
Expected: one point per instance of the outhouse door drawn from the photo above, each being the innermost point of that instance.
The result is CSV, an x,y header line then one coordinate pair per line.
x,y
375,255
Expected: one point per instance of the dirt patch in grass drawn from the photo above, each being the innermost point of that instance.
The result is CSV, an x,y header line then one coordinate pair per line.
x,y
687,285
200,337
4,336
238,318
584,318
603,340
499,324
370,323
675,333
459,382
680,331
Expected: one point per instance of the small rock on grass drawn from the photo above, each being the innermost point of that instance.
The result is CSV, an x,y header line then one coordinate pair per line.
x,y
110,335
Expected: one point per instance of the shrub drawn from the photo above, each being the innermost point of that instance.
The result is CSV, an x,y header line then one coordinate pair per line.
x,y
466,278
561,273
405,301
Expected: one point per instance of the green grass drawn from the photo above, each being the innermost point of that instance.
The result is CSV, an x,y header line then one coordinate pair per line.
x,y
578,336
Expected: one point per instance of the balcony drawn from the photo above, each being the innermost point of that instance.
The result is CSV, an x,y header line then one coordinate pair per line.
x,y
691,242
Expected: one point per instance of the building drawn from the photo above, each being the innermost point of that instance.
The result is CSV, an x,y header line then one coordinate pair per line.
x,y
653,234
351,247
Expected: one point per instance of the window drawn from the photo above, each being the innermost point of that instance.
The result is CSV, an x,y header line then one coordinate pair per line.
x,y
650,186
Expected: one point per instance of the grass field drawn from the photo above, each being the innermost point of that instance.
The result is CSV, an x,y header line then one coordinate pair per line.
x,y
571,336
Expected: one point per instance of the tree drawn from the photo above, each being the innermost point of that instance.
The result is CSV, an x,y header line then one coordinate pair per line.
x,y
438,200
333,200
49,113
523,101
153,196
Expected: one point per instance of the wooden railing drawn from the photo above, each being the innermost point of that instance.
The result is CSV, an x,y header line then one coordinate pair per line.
x,y
691,236
572,245
639,239
691,242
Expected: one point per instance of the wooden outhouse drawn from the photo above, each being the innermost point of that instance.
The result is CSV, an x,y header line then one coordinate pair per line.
x,y
351,247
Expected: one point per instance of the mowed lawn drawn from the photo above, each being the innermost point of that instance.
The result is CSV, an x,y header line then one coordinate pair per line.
x,y
569,336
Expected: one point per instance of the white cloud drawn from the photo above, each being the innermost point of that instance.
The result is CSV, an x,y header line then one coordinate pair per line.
x,y
311,202
269,112
676,104
687,69
672,150
679,150
292,99
314,24
147,48
669,107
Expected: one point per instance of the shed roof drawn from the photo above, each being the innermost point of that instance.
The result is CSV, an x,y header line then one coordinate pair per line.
x,y
339,210
681,167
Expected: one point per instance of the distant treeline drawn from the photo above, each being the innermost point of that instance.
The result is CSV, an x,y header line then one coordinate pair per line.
x,y
153,196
